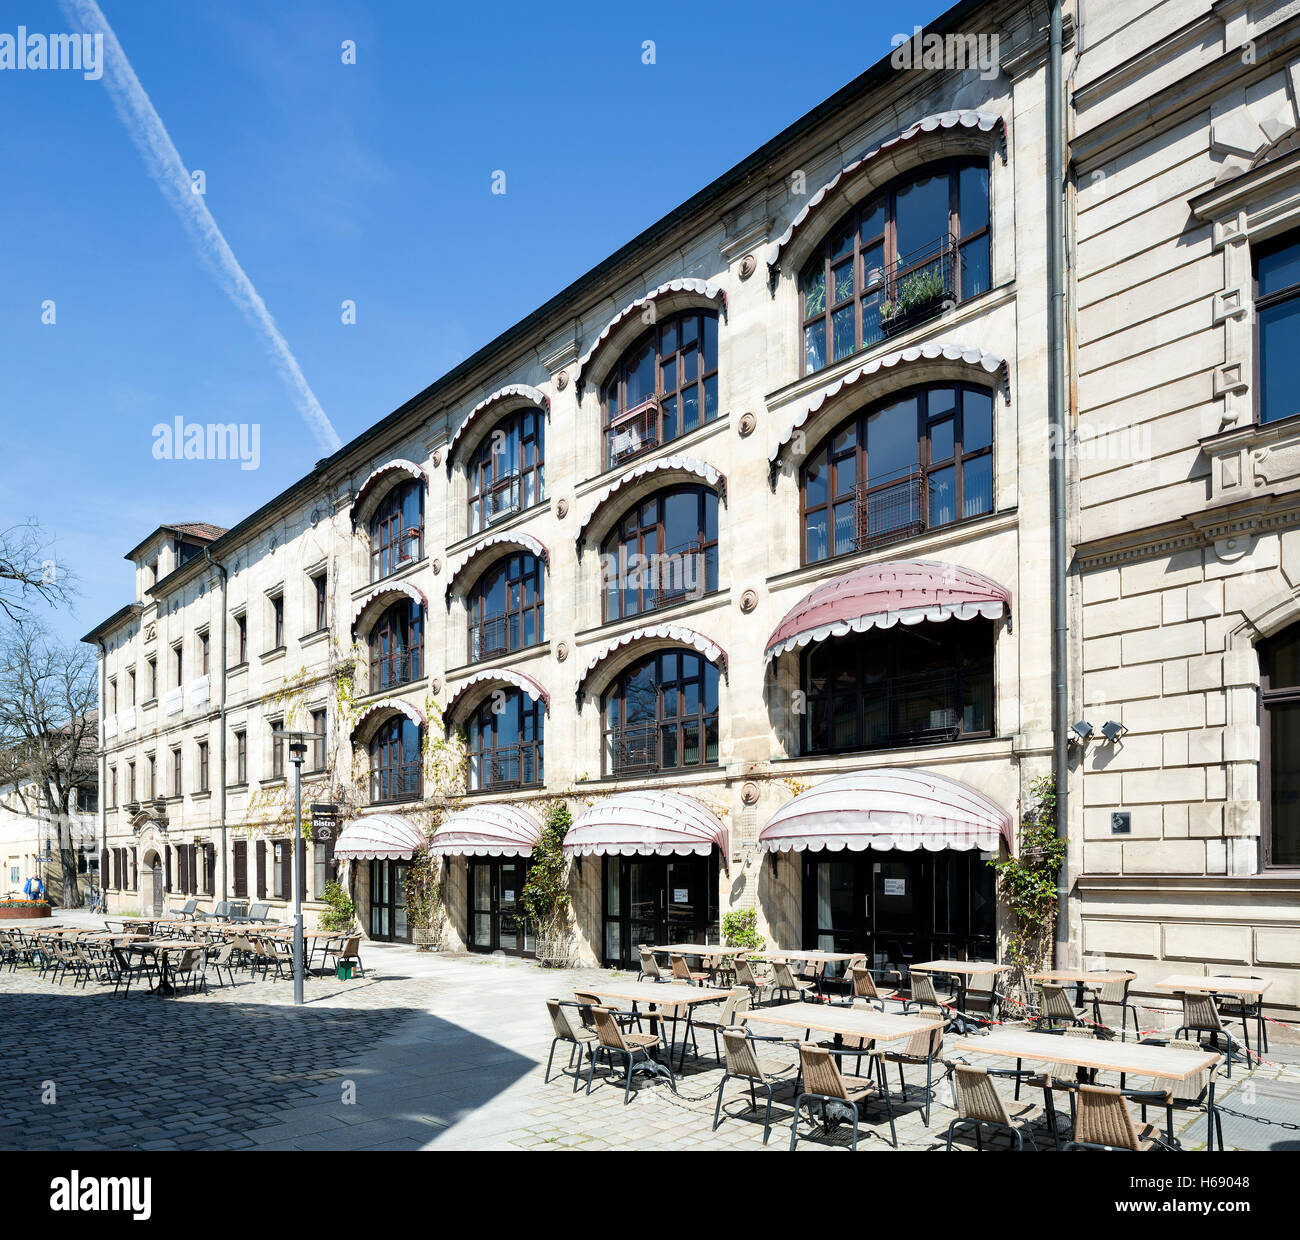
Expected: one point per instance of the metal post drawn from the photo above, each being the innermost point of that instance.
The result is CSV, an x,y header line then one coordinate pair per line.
x,y
297,749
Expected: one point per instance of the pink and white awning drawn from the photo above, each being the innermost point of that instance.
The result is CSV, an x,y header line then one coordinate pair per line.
x,y
394,587
886,594
889,808
518,392
677,464
674,633
387,837
650,823
525,542
487,830
503,676
400,705
399,465
989,363
983,122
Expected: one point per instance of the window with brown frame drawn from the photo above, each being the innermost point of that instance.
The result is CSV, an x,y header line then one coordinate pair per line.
x,y
1279,718
661,714
152,665
318,729
504,743
663,551
203,653
507,472
178,773
151,775
277,748
915,461
397,646
1277,316
664,386
241,757
178,652
277,621
506,607
397,530
241,638
203,766
130,676
320,584
897,259
395,761
130,783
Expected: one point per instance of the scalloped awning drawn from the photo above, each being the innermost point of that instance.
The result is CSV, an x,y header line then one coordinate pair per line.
x,y
714,478
663,632
883,595
503,675
403,707
524,541
530,394
393,587
487,830
990,363
654,822
397,464
387,837
889,808
685,285
982,121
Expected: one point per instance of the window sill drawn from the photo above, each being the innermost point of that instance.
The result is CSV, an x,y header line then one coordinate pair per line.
x,y
237,667
270,783
316,635
500,660
242,786
377,695
398,574
203,794
276,652
149,703
496,527
675,773
687,607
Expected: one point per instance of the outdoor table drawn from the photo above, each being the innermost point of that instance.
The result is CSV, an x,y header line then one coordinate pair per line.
x,y
1246,987
963,971
1080,978
159,948
856,1022
657,995
809,956
710,952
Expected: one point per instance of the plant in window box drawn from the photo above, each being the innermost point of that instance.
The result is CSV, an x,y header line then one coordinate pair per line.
x,y
545,894
916,293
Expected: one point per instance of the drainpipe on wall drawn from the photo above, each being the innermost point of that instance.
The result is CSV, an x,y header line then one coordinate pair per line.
x,y
1057,414
102,815
221,744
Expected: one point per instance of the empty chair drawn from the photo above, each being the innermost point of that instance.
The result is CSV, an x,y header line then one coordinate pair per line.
x,y
923,996
636,1050
742,1063
1104,1122
650,970
348,950
1192,1093
186,910
682,973
1114,994
823,1082
579,1039
982,997
921,1049
737,1000
1055,1007
1201,1015
863,986
980,1106
1246,1008
189,967
746,977
785,984
225,957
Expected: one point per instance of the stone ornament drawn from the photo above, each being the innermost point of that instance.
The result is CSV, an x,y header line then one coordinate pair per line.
x,y
748,265
748,601
749,793
562,381
436,685
437,567
562,651
437,459
747,425
562,509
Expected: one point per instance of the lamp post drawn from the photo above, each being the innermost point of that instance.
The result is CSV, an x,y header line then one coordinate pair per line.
x,y
297,751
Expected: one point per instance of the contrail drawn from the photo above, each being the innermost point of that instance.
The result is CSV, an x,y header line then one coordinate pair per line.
x,y
164,163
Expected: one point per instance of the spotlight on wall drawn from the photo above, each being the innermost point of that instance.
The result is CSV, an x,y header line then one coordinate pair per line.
x,y
1112,730
1082,730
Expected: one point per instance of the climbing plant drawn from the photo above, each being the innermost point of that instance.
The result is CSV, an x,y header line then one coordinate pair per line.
x,y
1028,881
545,895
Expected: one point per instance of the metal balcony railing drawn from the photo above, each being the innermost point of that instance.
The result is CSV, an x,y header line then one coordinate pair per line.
x,y
633,750
917,286
502,499
491,637
634,431
400,782
885,511
510,766
390,670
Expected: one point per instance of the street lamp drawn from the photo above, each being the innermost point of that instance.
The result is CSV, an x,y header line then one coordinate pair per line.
x,y
297,751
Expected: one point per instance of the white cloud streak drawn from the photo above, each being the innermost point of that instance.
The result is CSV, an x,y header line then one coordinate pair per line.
x,y
163,161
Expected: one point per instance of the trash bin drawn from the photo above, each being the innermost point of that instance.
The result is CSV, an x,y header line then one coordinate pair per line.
x,y
344,971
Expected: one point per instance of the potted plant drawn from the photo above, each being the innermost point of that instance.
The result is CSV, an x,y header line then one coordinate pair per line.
x,y
423,893
341,914
545,896
916,294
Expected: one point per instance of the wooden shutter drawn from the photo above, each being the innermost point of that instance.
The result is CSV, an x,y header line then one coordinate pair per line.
x,y
240,862
167,868
261,869
135,870
286,868
103,868
210,869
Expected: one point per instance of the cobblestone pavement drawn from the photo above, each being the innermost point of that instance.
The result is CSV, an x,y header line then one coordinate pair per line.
x,y
426,1051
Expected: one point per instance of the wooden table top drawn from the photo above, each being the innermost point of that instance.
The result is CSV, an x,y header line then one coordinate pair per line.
x,y
709,950
1131,1057
972,968
858,1022
796,954
660,993
1202,984
1079,975
112,938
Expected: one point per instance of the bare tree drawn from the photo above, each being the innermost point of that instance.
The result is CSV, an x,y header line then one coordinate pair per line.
x,y
49,732
29,571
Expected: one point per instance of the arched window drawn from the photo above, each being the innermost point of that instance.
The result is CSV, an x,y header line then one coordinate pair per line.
x,y
395,761
661,714
1279,666
397,646
664,386
663,551
397,530
896,259
908,685
505,607
912,462
506,473
504,742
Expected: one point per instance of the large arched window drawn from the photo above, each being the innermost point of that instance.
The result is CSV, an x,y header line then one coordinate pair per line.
x,y
397,646
395,761
504,742
896,259
912,462
1279,666
908,685
506,473
505,607
664,386
661,714
663,551
397,530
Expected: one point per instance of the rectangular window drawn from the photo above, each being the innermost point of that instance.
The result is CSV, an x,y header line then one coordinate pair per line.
x,y
209,869
178,773
277,621
203,766
112,695
151,774
241,637
318,724
261,869
130,680
153,679
112,787
179,653
87,800
324,867
241,757
1277,306
203,653
319,586
281,869
277,748
130,781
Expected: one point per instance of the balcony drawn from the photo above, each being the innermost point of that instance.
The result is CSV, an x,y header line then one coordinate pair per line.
x,y
633,750
395,783
915,288
511,766
502,499
634,431
494,636
406,549
393,670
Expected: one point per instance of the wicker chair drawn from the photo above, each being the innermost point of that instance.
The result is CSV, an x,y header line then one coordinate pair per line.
x,y
742,1063
737,1000
982,996
824,1083
1104,1122
1193,1093
864,987
1115,995
980,1106
1201,1015
682,973
1246,1008
634,1048
784,983
923,996
920,1048
1055,1007
650,970
745,976
349,950
579,1039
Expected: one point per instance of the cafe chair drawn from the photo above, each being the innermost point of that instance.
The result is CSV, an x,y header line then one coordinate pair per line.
x,y
681,973
1104,1122
980,1106
579,1040
921,1049
1201,1015
786,985
1055,1008
745,976
1194,1093
839,1095
1246,1008
635,1050
650,970
741,1063
1115,995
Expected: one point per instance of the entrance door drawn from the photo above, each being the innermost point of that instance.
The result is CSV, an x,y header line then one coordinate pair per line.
x,y
159,889
388,902
496,914
651,900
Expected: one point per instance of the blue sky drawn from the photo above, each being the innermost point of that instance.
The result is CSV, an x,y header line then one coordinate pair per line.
x,y
369,182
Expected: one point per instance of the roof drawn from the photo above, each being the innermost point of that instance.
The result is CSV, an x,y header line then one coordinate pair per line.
x,y
107,626
204,531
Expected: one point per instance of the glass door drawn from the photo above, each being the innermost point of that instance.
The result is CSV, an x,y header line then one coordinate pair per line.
x,y
388,902
655,900
496,914
896,920
687,900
